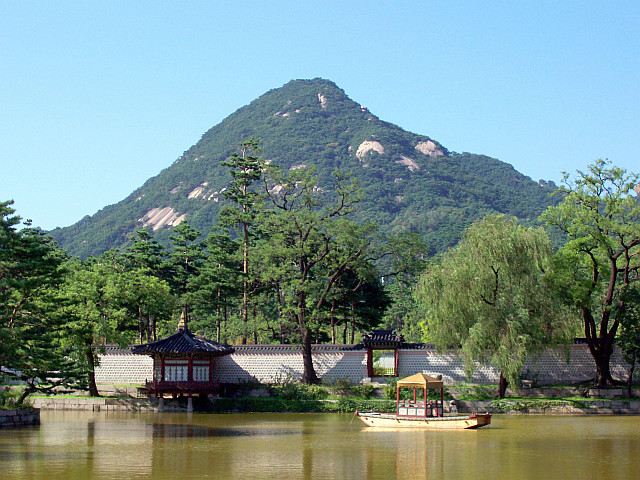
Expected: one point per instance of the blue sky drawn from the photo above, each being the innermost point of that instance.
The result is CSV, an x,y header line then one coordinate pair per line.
x,y
98,97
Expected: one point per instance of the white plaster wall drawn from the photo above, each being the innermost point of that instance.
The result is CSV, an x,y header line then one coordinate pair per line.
x,y
278,363
124,369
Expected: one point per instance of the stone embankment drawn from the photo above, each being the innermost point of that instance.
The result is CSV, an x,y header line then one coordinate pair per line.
x,y
19,418
95,404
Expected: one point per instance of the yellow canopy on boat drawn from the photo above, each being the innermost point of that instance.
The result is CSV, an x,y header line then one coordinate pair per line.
x,y
420,380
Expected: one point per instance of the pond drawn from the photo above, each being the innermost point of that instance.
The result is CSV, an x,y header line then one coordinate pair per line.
x,y
85,445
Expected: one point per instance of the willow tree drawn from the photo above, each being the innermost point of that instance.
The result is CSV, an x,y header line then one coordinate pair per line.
x,y
599,264
488,296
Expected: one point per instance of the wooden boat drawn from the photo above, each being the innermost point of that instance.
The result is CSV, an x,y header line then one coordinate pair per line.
x,y
390,420
422,413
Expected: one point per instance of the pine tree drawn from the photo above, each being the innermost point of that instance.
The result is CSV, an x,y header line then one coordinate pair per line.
x,y
31,269
245,168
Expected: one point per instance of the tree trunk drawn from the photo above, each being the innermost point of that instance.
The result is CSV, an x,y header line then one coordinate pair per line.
x,y
502,386
93,388
601,350
344,332
140,325
245,271
25,393
333,323
353,324
309,374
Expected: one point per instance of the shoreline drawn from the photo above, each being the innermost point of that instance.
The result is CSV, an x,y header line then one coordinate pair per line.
x,y
509,406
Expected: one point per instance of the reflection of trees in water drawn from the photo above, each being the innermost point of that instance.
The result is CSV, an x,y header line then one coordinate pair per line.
x,y
186,430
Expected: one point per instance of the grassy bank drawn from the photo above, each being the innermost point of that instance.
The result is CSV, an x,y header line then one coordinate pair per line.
x,y
276,404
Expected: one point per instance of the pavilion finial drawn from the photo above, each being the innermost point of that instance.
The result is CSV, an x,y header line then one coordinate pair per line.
x,y
182,324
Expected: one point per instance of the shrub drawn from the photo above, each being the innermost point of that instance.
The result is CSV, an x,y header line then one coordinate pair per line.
x,y
9,399
340,386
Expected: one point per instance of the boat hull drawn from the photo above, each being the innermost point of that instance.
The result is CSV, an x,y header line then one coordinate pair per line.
x,y
384,420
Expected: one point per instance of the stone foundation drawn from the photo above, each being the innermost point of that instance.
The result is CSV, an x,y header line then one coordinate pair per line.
x,y
95,404
19,418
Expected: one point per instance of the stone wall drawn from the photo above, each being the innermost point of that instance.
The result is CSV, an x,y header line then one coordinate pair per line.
x,y
95,404
19,418
275,363
272,364
120,368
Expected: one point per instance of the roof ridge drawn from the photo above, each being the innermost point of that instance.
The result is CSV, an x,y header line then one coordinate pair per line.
x,y
188,334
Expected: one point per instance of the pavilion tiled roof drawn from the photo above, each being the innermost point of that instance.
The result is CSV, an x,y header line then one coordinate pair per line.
x,y
183,343
383,338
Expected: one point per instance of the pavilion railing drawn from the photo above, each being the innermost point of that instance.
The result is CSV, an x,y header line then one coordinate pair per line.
x,y
164,386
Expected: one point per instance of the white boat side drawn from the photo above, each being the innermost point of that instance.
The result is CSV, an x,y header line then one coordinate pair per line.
x,y
375,419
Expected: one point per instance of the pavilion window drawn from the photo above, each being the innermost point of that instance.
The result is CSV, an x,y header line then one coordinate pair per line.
x,y
201,370
176,370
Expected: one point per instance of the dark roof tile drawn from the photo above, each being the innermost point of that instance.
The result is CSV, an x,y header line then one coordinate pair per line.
x,y
183,342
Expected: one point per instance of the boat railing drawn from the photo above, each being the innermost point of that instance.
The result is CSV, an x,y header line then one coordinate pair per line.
x,y
409,408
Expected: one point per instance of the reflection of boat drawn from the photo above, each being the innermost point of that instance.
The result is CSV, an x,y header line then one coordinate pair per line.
x,y
421,413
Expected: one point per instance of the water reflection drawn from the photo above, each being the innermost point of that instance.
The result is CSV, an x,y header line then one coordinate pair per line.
x,y
77,445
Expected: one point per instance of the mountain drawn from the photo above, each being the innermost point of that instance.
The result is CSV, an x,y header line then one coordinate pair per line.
x,y
411,181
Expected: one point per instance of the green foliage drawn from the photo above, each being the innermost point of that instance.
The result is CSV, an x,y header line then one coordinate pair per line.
x,y
274,404
488,296
525,405
597,269
10,399
629,336
475,392
31,269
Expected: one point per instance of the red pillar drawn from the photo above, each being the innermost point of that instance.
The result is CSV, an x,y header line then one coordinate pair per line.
x,y
425,401
369,362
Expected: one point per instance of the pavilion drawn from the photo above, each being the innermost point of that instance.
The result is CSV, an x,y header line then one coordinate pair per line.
x,y
183,364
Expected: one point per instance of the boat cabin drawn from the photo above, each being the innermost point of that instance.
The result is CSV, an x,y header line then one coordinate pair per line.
x,y
183,363
420,406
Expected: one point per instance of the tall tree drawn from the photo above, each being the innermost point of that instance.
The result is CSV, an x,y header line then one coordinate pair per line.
x,y
308,248
146,269
184,262
31,269
600,262
217,287
94,303
488,295
245,167
629,336
145,254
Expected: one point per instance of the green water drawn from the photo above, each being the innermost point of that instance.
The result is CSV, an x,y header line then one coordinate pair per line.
x,y
82,445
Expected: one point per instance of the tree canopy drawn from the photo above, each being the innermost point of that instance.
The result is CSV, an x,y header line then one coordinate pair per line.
x,y
598,266
488,296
